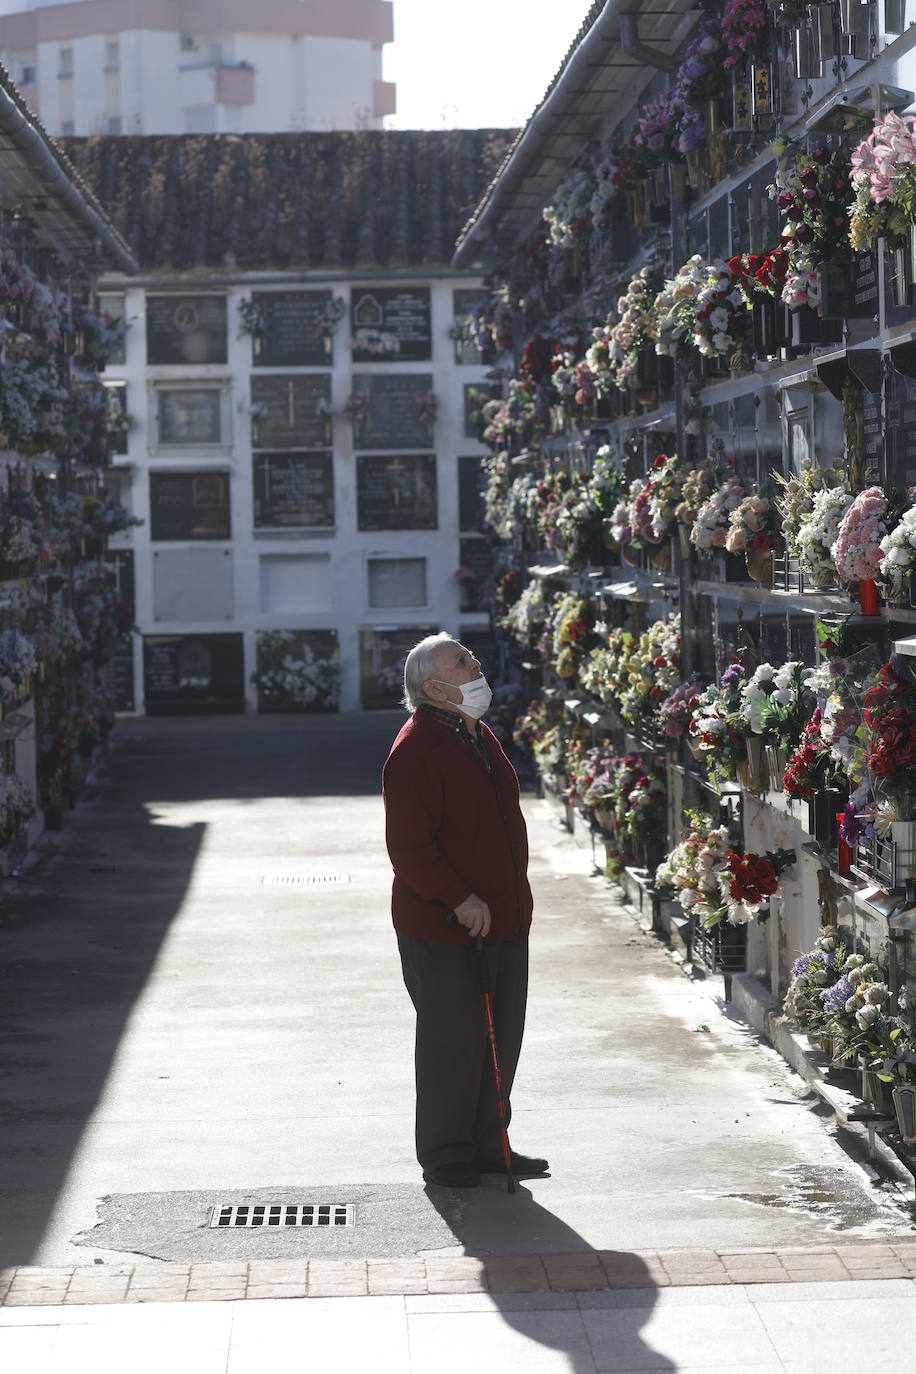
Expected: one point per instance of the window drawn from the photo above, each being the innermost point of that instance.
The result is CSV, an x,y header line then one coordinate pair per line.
x,y
66,62
396,582
113,124
112,55
28,74
67,128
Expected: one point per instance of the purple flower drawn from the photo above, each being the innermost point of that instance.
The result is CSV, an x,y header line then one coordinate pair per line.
x,y
733,674
835,998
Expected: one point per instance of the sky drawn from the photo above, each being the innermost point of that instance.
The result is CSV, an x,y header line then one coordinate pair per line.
x,y
476,64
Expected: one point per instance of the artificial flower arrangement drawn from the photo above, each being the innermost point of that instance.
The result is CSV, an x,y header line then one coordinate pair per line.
x,y
16,281
713,882
626,163
698,79
744,25
252,318
753,524
620,527
508,590
857,551
665,488
573,632
651,672
778,701
712,523
605,482
565,515
884,181
720,313
539,731
898,548
717,730
18,662
614,355
658,127
796,501
426,408
812,974
812,191
524,619
890,722
759,274
697,487
811,768
675,308
568,217
677,709
17,804
819,532
356,408
291,671
605,671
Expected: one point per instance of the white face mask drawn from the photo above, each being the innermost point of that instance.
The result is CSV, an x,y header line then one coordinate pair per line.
x,y
475,696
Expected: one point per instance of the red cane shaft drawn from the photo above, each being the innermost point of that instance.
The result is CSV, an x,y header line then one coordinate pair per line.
x,y
498,1084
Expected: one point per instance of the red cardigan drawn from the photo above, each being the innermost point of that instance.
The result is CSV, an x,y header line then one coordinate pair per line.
x,y
453,829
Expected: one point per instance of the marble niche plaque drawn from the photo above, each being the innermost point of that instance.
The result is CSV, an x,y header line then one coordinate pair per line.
x,y
391,325
189,505
185,329
193,674
382,650
396,493
393,421
293,490
291,412
292,335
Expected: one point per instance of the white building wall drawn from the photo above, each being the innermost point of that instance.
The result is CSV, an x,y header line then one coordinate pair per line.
x,y
347,548
299,83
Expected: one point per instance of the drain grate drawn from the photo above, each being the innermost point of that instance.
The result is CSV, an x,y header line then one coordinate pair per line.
x,y
281,1214
304,879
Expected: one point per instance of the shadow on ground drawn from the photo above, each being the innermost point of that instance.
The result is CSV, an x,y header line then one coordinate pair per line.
x,y
81,932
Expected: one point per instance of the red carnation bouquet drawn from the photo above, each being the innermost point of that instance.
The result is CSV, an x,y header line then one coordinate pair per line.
x,y
749,881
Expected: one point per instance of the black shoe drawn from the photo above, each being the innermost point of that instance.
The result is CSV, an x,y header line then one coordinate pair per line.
x,y
459,1175
523,1166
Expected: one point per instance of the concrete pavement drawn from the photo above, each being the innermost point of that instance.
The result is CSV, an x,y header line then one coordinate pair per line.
x,y
200,1002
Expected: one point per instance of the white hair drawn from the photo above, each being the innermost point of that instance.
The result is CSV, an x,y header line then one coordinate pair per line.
x,y
419,665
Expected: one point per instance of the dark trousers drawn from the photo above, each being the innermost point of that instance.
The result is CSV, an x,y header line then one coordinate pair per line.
x,y
457,1118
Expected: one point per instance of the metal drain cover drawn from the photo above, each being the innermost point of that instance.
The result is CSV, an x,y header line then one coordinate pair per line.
x,y
304,879
280,1214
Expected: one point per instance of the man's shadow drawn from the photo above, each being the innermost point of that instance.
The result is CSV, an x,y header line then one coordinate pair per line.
x,y
594,1327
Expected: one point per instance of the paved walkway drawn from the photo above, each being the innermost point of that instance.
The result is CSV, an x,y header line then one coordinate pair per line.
x,y
189,1018
767,1328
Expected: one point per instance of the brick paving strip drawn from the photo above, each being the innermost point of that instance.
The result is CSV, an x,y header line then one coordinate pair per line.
x,y
584,1272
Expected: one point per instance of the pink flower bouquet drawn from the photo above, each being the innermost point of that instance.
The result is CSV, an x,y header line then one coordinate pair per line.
x,y
857,552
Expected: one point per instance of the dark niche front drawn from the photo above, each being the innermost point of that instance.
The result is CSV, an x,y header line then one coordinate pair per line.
x,y
382,650
293,490
189,505
185,329
396,493
472,481
391,325
291,412
193,674
294,331
398,415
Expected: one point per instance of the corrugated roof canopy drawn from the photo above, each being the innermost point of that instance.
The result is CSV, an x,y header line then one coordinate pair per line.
x,y
36,177
596,73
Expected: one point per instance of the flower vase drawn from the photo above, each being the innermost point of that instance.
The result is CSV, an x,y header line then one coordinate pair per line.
x,y
901,276
694,746
711,116
678,180
894,16
823,809
904,1097
899,590
683,539
868,597
604,818
877,1092
822,27
824,580
903,834
807,63
776,761
756,764
660,558
760,566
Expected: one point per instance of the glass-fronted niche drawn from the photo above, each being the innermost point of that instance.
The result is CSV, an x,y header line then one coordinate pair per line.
x,y
186,329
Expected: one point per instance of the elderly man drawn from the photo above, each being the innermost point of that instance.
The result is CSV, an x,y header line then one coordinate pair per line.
x,y
459,849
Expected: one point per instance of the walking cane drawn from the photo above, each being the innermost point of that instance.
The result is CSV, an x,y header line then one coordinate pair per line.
x,y
483,970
